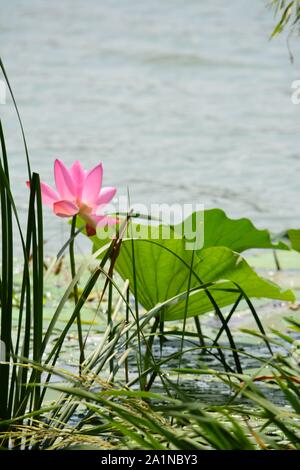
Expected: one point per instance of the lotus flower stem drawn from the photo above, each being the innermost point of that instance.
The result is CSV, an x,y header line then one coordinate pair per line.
x,y
75,292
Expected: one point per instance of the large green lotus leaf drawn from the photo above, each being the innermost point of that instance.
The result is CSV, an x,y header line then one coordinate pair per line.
x,y
294,238
220,230
205,229
218,264
162,263
162,267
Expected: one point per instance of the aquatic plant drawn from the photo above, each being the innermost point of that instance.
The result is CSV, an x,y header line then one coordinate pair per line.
x,y
163,267
79,192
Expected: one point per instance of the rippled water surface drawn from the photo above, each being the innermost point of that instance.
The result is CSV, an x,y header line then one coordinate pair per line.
x,y
184,101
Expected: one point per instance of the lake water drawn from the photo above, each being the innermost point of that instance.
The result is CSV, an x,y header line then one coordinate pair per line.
x,y
183,101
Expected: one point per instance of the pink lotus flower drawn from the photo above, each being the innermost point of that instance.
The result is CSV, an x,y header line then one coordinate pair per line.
x,y
79,192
